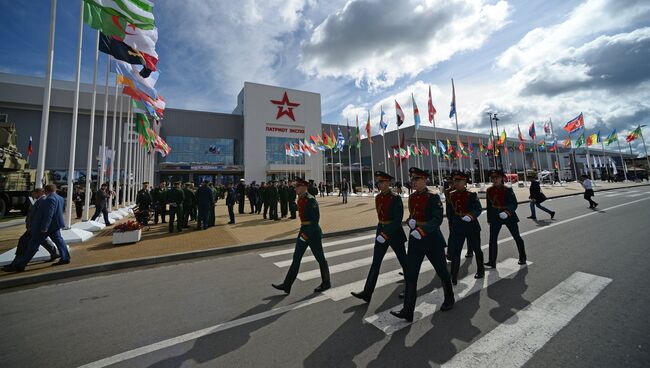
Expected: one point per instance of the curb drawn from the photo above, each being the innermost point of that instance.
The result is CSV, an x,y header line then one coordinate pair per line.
x,y
138,262
175,257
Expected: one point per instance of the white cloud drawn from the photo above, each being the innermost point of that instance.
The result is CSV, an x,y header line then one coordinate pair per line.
x,y
377,42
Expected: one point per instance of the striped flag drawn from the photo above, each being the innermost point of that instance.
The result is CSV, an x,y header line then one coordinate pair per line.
x,y
531,130
137,12
633,135
575,124
399,113
382,124
29,147
416,113
612,137
432,110
452,111
369,128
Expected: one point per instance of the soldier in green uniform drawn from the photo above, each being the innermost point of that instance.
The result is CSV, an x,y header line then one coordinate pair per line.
x,y
264,197
159,202
390,212
425,239
212,213
292,199
283,192
143,198
272,192
175,198
463,210
310,235
188,202
502,210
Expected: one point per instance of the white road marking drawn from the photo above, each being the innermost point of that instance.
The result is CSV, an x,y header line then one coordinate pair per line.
x,y
614,194
328,255
227,325
341,267
386,278
200,333
636,195
515,341
325,245
430,303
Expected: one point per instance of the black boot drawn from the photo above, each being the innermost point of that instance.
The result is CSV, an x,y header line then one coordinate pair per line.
x,y
480,268
362,295
522,261
325,275
282,287
469,254
449,296
403,314
455,266
490,264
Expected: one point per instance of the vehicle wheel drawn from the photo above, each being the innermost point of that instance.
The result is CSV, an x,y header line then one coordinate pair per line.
x,y
3,208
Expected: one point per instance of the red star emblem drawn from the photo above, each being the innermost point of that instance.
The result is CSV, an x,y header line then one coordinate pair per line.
x,y
285,107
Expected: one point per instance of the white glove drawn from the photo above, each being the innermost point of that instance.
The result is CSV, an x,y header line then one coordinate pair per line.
x,y
412,223
381,239
466,218
503,215
416,234
302,238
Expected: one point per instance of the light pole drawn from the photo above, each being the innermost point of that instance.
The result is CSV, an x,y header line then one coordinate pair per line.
x,y
494,158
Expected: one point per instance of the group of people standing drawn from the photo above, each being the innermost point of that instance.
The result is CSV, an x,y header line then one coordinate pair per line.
x,y
265,198
43,223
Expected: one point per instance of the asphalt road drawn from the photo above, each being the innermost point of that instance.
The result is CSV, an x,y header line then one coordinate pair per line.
x,y
582,301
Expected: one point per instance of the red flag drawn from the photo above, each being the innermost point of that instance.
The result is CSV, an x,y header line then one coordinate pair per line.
x,y
432,110
399,113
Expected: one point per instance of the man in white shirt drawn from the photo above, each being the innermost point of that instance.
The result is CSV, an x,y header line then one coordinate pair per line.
x,y
589,191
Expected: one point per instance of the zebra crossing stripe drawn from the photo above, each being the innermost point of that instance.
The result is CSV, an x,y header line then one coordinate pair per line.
x,y
325,245
328,255
430,303
342,267
523,334
636,195
614,194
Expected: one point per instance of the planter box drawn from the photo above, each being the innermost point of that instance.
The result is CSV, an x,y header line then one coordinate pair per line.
x,y
127,237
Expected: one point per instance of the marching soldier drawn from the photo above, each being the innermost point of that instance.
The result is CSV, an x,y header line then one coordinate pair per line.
x,y
292,199
310,235
175,197
390,211
463,210
501,210
159,202
425,218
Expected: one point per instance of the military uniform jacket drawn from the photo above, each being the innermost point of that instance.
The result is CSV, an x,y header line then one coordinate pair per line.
x,y
158,195
143,199
309,217
426,209
175,196
272,194
501,199
459,204
292,194
390,212
231,197
283,193
204,197
189,198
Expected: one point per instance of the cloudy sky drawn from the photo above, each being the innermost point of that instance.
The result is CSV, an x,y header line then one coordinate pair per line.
x,y
527,60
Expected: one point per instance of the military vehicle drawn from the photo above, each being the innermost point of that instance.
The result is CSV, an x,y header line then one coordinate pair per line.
x,y
16,178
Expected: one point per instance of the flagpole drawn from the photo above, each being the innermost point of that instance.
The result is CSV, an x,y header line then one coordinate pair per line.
x,y
340,172
112,176
523,158
75,117
119,155
372,168
548,161
91,133
332,158
433,177
45,116
644,147
349,158
399,156
620,153
602,146
460,162
127,153
557,153
102,175
360,162
131,154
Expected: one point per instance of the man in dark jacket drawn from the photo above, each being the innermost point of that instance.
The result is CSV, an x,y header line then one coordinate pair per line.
x,y
212,212
159,202
283,193
143,199
292,199
260,198
101,204
204,201
78,198
241,195
252,196
189,200
175,198
272,193
502,210
231,199
390,212
536,198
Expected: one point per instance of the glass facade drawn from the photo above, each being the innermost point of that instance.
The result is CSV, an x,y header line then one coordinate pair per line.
x,y
201,150
275,152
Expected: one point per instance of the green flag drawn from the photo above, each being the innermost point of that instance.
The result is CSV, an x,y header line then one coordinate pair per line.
x,y
108,24
137,12
581,140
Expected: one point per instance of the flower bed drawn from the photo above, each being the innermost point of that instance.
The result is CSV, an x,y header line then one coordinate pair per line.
x,y
128,232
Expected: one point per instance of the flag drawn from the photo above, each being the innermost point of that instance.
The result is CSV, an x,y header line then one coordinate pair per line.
x,y
612,137
358,134
443,149
399,113
388,154
502,138
349,133
521,147
156,106
326,140
341,140
552,146
432,110
382,124
542,145
121,51
105,22
547,128
333,142
575,124
531,130
636,133
461,148
592,139
160,146
452,111
130,75
368,128
520,136
581,140
470,147
287,151
567,142
480,145
490,145
450,149
29,147
137,12
416,113
145,136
